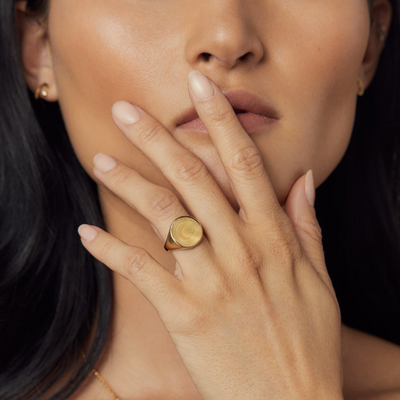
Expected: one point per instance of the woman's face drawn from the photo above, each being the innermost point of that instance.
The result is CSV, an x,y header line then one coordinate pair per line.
x,y
304,57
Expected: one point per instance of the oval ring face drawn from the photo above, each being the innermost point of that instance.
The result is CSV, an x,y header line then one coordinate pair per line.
x,y
186,231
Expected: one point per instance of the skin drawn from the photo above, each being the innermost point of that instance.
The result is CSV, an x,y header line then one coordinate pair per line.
x,y
304,59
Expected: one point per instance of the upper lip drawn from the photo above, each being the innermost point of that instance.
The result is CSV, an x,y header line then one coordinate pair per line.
x,y
240,100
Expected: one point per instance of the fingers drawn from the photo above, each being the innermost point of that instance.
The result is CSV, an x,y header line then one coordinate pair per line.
x,y
157,204
158,285
186,172
304,219
237,151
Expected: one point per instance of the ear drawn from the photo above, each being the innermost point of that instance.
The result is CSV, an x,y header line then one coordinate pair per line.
x,y
35,50
381,14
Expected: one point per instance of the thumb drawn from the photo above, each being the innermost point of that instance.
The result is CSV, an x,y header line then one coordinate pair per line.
x,y
300,209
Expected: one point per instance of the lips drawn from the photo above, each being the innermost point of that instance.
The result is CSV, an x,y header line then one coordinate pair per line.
x,y
248,107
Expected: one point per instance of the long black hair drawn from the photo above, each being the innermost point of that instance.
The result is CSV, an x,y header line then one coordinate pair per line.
x,y
358,205
52,291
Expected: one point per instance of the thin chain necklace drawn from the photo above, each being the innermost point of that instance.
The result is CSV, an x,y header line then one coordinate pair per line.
x,y
102,380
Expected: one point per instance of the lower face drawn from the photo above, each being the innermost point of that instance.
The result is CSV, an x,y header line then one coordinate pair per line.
x,y
305,57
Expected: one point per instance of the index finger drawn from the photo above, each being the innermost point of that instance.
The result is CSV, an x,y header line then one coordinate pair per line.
x,y
238,153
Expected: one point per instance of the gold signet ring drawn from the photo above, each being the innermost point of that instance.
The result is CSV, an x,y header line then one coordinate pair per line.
x,y
184,233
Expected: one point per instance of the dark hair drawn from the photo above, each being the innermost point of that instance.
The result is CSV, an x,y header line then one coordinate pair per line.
x,y
53,291
358,205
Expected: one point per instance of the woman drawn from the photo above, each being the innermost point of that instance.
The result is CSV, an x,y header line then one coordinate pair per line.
x,y
249,311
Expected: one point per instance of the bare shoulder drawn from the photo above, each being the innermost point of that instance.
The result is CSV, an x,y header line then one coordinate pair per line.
x,y
383,396
371,366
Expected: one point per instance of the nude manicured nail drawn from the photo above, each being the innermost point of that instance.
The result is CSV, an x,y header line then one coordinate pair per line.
x,y
125,112
310,188
87,232
200,85
104,163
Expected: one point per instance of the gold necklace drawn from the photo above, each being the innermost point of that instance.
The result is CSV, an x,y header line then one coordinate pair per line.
x,y
102,380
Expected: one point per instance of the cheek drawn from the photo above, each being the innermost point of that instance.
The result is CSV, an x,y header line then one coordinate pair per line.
x,y
318,53
105,51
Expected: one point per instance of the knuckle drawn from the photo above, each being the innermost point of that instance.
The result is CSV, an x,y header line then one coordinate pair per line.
x,y
312,228
148,135
189,168
284,246
281,247
247,160
105,247
135,261
219,114
121,178
163,204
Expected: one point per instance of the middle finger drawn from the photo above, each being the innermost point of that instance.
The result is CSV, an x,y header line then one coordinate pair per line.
x,y
184,170
238,153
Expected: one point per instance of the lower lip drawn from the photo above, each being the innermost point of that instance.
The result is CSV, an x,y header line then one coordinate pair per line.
x,y
250,122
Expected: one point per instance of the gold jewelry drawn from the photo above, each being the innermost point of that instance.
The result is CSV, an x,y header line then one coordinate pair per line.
x,y
360,86
102,380
184,233
382,32
42,90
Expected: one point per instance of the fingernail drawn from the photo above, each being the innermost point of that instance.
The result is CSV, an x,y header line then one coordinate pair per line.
x,y
87,232
310,188
125,112
104,162
200,85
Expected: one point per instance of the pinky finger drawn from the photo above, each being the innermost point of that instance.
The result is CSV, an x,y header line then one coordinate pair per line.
x,y
158,285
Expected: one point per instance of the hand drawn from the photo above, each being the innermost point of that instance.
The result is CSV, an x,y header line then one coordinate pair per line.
x,y
251,309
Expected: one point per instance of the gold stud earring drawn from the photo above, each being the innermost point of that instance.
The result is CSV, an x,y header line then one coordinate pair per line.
x,y
360,87
382,33
42,90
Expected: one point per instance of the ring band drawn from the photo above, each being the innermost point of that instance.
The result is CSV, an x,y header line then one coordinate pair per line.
x,y
184,233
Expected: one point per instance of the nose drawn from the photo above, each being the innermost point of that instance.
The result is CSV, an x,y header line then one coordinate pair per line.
x,y
223,34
